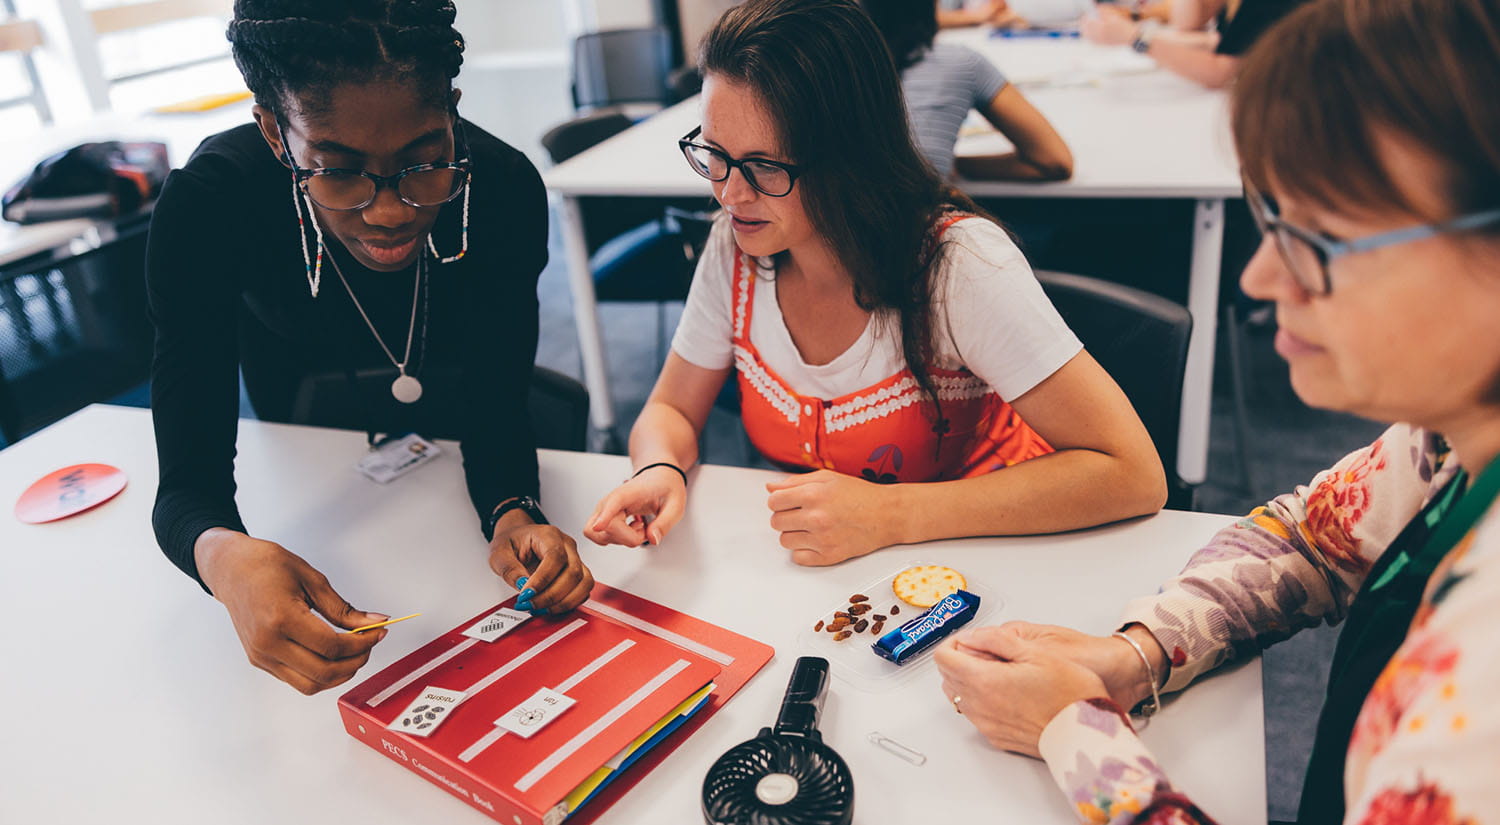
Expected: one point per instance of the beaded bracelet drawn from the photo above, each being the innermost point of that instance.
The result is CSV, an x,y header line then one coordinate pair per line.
x,y
679,470
1146,711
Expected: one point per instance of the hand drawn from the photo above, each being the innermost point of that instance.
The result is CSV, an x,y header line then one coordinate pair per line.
x,y
542,562
1108,26
1011,686
271,595
1000,15
640,511
1112,659
826,517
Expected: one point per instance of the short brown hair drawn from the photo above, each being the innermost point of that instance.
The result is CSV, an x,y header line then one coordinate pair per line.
x,y
1313,92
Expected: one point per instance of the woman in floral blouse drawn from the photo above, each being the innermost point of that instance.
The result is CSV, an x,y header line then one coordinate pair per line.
x,y
1371,148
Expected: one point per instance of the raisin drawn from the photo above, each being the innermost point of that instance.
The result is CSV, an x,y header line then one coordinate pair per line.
x,y
818,627
838,624
859,626
842,635
895,608
878,628
839,614
876,617
858,597
859,609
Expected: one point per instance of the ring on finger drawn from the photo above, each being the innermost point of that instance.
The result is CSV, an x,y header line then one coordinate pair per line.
x,y
957,700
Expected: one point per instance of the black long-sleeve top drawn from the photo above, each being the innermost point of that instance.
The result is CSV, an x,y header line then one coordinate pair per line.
x,y
228,292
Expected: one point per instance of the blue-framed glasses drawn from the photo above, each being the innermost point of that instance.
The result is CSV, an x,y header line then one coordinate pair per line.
x,y
1308,252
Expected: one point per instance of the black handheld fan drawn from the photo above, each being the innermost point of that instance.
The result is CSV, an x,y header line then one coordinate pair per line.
x,y
786,775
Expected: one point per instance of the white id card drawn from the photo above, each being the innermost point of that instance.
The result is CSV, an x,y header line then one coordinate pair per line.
x,y
395,457
535,713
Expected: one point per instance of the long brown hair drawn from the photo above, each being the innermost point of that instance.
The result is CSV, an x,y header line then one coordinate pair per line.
x,y
825,75
1313,93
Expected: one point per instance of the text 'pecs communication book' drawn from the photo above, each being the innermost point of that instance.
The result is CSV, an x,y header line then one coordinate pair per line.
x,y
530,719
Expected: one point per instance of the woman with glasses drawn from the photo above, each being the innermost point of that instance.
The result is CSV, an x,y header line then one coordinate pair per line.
x,y
892,347
1381,213
358,235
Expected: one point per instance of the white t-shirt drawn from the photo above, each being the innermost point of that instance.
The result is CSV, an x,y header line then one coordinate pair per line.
x,y
991,317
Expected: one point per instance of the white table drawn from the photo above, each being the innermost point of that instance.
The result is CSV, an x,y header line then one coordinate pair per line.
x,y
1135,132
129,699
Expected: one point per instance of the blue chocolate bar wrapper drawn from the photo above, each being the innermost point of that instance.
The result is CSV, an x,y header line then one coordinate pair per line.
x,y
924,631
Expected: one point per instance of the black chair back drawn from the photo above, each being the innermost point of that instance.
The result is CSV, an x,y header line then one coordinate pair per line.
x,y
1141,340
565,140
558,405
621,66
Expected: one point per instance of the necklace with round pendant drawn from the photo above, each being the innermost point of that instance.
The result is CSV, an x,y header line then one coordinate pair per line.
x,y
406,389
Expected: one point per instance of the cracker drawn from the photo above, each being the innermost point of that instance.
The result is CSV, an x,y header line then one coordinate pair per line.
x,y
926,586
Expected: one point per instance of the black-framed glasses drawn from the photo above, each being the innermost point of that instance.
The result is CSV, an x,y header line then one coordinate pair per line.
x,y
769,177
1308,252
423,186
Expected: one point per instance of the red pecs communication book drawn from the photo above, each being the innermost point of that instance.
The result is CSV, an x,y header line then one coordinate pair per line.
x,y
534,720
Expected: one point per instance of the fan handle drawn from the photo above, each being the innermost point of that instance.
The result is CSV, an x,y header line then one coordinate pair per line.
x,y
803,704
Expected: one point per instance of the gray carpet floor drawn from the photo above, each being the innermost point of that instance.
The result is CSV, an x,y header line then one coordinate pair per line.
x,y
1287,444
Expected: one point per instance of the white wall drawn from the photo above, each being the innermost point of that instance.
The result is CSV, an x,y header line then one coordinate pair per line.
x,y
623,14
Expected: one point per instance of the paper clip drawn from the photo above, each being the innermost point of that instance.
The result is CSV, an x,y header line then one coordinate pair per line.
x,y
888,744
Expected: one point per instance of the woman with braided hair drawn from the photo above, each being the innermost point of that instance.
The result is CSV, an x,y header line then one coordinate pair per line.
x,y
434,232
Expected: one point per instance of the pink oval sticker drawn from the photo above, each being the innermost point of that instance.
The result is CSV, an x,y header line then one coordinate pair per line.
x,y
68,492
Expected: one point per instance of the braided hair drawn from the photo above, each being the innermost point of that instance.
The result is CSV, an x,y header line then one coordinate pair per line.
x,y
293,52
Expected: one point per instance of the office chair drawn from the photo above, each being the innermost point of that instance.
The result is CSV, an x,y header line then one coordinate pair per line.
x,y
1141,340
622,66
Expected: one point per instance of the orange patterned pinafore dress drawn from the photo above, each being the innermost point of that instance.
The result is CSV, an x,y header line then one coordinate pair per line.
x,y
886,433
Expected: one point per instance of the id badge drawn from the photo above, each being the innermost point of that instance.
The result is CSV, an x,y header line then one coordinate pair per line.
x,y
393,457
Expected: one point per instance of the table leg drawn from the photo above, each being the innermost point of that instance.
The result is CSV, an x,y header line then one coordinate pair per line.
x,y
1203,303
586,318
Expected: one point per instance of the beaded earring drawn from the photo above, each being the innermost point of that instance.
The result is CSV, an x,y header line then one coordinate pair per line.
x,y
463,247
314,270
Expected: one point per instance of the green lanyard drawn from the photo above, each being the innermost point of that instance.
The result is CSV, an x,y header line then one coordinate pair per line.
x,y
1378,622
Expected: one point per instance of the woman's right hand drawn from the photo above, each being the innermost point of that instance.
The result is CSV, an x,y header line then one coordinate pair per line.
x,y
272,595
640,511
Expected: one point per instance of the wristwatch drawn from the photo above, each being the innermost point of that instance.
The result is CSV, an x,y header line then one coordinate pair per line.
x,y
1144,34
526,504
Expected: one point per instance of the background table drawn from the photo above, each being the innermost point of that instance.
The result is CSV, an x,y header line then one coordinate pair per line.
x,y
19,154
1135,132
129,700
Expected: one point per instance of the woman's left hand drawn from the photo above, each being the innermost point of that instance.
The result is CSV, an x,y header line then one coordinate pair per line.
x,y
1009,687
826,517
542,562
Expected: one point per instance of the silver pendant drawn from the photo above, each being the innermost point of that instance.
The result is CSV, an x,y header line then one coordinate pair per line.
x,y
407,389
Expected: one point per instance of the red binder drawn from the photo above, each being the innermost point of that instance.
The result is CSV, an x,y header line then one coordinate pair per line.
x,y
625,661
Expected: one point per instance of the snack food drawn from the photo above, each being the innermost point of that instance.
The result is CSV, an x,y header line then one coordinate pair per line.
x,y
925,586
952,612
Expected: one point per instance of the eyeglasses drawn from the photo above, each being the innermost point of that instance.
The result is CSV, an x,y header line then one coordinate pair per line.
x,y
1308,253
424,185
768,177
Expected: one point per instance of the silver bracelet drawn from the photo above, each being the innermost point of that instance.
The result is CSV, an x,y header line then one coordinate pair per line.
x,y
1146,711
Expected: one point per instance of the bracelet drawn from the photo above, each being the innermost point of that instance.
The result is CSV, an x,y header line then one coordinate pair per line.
x,y
1147,711
679,470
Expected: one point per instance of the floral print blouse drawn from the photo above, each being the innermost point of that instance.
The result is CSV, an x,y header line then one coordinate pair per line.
x,y
1426,745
